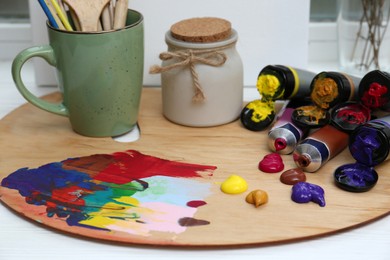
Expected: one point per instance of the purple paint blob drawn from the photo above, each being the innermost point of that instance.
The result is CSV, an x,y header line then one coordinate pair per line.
x,y
304,192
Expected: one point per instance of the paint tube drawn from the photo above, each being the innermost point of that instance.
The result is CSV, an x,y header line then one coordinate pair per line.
x,y
279,82
284,134
327,90
374,90
369,145
274,82
347,86
327,142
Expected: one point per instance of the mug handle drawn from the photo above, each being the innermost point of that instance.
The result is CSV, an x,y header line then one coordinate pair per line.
x,y
45,52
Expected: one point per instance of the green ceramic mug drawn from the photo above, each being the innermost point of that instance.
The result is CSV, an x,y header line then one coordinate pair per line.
x,y
100,76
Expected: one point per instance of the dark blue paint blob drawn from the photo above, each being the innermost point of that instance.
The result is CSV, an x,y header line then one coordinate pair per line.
x,y
355,177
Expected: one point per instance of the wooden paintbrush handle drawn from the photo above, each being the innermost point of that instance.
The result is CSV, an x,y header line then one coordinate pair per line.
x,y
88,12
106,18
120,14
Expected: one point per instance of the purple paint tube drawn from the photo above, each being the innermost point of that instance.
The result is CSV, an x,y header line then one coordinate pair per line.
x,y
369,145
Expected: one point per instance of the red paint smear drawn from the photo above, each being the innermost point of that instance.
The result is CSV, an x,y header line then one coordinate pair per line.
x,y
196,203
271,163
69,194
127,166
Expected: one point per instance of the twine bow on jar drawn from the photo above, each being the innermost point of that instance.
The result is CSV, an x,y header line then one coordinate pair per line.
x,y
211,57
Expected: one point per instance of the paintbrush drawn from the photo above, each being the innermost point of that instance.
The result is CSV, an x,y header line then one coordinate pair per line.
x,y
62,16
51,14
120,14
106,18
88,12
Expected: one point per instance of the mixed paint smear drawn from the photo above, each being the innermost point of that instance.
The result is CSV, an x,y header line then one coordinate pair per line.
x,y
125,191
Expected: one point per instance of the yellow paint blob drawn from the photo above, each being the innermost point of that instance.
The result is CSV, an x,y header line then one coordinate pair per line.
x,y
268,86
261,109
234,185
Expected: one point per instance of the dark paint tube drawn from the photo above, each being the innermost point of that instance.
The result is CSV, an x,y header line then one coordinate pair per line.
x,y
327,90
274,82
369,145
327,142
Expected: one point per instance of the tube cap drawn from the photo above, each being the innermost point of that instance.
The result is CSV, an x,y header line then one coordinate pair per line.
x,y
355,177
257,115
347,116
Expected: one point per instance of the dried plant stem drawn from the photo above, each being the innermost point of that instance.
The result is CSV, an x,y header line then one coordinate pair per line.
x,y
372,18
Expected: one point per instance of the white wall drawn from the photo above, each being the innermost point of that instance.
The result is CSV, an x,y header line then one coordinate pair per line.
x,y
270,32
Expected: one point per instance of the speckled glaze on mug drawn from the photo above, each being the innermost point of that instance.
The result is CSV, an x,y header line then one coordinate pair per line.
x,y
99,74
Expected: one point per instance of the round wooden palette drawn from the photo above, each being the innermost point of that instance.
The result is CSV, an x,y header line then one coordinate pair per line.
x,y
31,137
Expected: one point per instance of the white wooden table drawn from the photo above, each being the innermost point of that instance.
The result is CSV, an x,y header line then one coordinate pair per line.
x,y
23,239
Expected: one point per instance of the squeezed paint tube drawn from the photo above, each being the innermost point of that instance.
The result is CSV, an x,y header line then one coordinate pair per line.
x,y
325,143
327,90
369,145
284,134
279,82
274,82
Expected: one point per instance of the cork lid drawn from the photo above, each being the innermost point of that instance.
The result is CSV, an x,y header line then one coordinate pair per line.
x,y
205,29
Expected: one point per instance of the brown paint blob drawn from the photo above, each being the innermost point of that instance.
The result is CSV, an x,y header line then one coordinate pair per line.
x,y
190,222
293,176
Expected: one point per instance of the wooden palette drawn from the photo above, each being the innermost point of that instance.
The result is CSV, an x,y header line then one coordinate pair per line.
x,y
31,137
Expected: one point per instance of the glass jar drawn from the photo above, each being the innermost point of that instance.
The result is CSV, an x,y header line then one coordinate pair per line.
x,y
363,37
205,86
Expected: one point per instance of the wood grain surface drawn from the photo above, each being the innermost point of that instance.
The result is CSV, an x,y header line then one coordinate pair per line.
x,y
31,137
